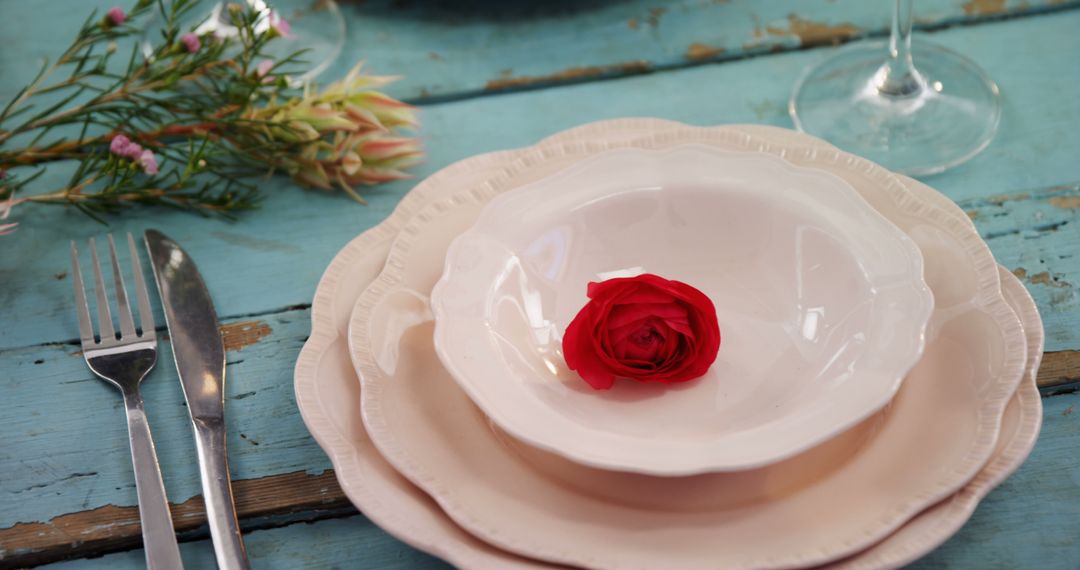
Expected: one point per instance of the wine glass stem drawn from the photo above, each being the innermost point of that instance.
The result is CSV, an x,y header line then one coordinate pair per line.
x,y
898,76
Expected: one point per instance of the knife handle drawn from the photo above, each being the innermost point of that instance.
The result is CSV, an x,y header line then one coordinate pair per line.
x,y
217,492
159,538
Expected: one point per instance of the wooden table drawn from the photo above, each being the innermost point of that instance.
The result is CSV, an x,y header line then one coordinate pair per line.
x,y
490,77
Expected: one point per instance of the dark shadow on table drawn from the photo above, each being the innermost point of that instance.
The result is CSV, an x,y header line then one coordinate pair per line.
x,y
494,11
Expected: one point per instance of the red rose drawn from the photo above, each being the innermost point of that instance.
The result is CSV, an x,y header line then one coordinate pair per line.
x,y
646,328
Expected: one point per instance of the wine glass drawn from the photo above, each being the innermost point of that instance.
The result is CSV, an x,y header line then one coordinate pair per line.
x,y
314,26
870,99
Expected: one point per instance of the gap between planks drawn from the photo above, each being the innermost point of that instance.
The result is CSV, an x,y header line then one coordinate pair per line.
x,y
266,502
1059,369
811,35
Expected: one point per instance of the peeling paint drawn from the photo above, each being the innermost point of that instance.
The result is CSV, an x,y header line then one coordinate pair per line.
x,y
1002,198
765,109
1020,272
654,16
984,7
812,33
110,528
244,333
972,214
1064,187
1065,202
1044,278
699,52
632,23
508,81
1060,367
757,35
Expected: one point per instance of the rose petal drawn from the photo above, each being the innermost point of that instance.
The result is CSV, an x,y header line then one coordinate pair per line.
x,y
581,355
619,335
647,328
624,287
642,295
624,314
645,342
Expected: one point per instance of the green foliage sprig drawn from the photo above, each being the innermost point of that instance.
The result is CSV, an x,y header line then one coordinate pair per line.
x,y
194,121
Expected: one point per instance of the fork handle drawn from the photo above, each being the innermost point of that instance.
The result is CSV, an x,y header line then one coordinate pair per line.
x,y
217,492
159,538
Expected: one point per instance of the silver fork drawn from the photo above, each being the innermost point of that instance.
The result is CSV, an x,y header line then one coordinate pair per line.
x,y
124,361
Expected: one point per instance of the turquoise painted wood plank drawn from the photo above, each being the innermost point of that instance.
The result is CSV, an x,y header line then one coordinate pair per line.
x,y
451,49
65,445
352,542
52,403
463,47
1031,521
272,258
1034,151
1036,233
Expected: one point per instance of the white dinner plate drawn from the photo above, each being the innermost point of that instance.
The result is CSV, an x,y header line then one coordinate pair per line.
x,y
937,433
821,304
327,389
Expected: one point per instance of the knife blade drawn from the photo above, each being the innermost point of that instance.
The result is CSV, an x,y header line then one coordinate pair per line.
x,y
200,360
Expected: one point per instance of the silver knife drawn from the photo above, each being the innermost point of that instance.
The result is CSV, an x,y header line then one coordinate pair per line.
x,y
200,359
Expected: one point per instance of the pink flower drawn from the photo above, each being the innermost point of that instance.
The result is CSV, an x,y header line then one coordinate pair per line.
x,y
148,162
119,145
5,211
133,151
116,15
124,147
191,42
264,67
280,25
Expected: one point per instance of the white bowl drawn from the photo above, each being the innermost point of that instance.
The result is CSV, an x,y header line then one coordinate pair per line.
x,y
821,303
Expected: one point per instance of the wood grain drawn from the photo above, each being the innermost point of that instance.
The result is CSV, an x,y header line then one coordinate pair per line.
x,y
65,445
64,462
345,543
1013,529
468,48
260,503
273,257
1059,369
1036,233
257,408
243,333
461,49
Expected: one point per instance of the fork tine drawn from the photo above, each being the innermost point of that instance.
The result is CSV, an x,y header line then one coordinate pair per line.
x,y
123,309
146,317
105,325
86,330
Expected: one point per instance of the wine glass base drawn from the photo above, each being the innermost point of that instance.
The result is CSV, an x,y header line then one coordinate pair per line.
x,y
946,122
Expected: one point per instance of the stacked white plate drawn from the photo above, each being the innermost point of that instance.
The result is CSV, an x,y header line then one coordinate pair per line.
x,y
875,381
